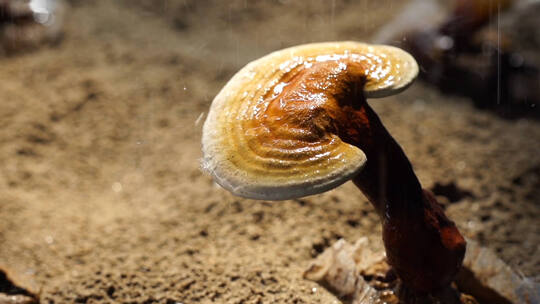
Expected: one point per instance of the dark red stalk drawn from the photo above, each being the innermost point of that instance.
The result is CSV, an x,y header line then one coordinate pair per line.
x,y
423,246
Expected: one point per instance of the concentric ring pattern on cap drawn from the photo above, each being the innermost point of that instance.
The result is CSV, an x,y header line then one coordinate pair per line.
x,y
246,160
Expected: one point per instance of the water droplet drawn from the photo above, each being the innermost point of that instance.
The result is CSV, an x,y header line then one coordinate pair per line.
x,y
444,42
198,120
49,239
516,60
117,187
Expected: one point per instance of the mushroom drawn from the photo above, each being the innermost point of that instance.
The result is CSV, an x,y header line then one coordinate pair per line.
x,y
296,123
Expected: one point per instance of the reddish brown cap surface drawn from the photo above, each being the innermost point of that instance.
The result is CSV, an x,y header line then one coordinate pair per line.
x,y
268,134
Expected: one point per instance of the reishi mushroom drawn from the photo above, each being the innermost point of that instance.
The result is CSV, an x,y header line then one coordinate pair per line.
x,y
296,122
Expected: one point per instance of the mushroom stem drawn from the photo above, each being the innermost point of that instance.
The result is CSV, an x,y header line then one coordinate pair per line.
x,y
387,179
423,246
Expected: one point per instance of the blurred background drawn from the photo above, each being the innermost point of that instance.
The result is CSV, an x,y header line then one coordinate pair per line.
x,y
101,109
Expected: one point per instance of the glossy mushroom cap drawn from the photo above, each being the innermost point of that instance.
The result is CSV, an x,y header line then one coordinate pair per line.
x,y
272,131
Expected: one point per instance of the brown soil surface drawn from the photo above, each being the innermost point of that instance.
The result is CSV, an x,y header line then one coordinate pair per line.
x,y
101,195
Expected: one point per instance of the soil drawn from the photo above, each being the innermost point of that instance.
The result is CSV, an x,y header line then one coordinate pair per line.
x,y
101,195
